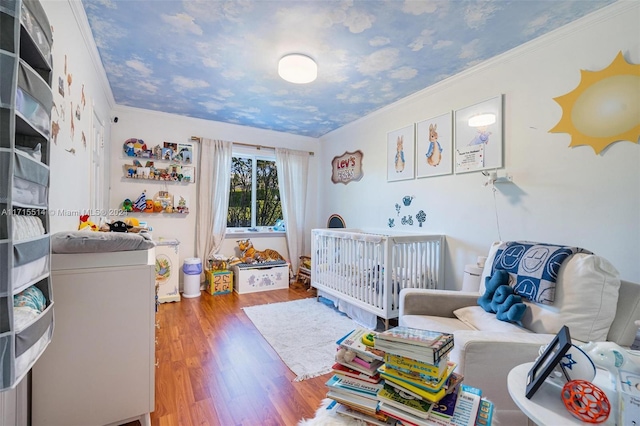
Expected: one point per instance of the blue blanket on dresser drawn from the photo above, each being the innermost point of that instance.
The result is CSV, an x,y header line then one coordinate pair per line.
x,y
533,267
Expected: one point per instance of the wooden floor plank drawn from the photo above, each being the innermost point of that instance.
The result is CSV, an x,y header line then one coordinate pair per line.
x,y
215,368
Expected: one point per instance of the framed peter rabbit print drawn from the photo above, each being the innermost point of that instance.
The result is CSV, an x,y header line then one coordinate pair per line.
x,y
401,154
434,146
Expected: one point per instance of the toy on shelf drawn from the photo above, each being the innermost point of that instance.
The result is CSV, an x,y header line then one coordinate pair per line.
x,y
141,202
151,171
127,205
133,147
162,202
182,206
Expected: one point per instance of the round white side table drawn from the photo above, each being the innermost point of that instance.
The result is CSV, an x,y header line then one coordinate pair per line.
x,y
546,407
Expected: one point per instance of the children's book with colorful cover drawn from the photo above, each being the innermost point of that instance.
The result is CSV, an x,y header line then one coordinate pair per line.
x,y
343,370
371,369
403,416
362,404
485,413
430,355
414,390
417,382
446,406
417,407
354,385
411,365
414,336
458,409
453,382
467,406
353,341
379,420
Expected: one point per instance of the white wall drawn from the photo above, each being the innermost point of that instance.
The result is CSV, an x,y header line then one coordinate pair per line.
x,y
560,194
70,173
155,128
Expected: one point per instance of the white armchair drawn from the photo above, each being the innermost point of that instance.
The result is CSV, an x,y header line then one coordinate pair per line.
x,y
590,299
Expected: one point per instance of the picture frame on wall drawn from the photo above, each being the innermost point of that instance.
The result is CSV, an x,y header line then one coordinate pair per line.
x,y
478,136
434,146
401,154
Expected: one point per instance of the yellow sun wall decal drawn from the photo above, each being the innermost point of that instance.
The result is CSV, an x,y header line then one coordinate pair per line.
x,y
604,108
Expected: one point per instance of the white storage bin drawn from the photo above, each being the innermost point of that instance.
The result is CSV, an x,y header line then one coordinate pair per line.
x,y
260,278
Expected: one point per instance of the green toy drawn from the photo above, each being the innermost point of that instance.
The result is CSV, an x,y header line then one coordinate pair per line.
x,y
127,205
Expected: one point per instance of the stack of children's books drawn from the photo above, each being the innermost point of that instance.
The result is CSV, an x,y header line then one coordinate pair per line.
x,y
420,385
356,381
403,376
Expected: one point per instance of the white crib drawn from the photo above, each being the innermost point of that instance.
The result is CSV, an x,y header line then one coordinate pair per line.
x,y
367,269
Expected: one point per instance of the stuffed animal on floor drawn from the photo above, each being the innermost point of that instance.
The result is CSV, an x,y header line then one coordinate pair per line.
x,y
500,299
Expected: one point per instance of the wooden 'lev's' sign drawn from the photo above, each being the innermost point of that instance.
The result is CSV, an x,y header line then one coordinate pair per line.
x,y
347,167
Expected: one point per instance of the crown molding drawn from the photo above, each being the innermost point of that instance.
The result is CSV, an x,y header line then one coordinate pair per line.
x,y
85,30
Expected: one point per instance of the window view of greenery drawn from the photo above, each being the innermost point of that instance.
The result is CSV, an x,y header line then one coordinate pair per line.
x,y
254,198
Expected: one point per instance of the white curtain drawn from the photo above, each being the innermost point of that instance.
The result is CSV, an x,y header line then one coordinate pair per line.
x,y
214,180
293,171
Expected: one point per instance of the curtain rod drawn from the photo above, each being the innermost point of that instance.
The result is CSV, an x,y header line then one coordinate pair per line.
x,y
198,139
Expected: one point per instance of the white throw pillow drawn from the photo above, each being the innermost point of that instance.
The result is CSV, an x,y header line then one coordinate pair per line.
x,y
476,317
586,300
486,271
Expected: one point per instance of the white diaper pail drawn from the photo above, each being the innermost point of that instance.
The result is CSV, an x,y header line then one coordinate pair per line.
x,y
191,269
471,279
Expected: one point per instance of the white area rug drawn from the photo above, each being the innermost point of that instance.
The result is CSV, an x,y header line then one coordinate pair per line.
x,y
303,333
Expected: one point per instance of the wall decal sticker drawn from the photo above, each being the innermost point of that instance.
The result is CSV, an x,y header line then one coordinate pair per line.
x,y
604,108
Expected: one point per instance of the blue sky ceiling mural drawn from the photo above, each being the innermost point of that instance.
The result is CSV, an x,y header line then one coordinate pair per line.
x,y
217,60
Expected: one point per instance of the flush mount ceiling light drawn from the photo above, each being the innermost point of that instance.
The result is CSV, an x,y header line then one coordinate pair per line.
x,y
297,68
481,120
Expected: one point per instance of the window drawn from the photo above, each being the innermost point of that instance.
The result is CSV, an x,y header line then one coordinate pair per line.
x,y
254,197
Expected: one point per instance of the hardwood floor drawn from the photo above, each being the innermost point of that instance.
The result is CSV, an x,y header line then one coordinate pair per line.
x,y
215,368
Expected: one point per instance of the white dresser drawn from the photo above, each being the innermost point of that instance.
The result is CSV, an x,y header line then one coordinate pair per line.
x,y
99,368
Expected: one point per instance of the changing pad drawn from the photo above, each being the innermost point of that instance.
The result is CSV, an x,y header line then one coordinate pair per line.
x,y
98,242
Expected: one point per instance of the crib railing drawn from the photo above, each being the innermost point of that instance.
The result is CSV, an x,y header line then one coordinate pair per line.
x,y
369,269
